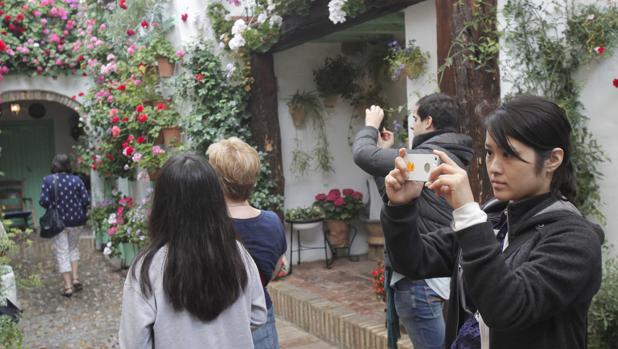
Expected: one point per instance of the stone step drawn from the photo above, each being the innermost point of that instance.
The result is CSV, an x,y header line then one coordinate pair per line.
x,y
329,321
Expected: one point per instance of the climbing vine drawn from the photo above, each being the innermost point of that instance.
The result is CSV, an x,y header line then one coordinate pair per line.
x,y
219,110
549,44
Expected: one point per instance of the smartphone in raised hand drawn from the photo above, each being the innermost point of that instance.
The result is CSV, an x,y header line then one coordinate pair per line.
x,y
420,166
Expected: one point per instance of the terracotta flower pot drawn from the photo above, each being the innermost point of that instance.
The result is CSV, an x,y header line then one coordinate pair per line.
x,y
375,233
330,101
338,233
154,174
166,68
298,115
171,136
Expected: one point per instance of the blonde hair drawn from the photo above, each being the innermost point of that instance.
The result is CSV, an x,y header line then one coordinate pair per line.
x,y
237,164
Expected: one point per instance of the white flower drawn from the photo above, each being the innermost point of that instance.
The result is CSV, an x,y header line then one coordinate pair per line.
x,y
276,20
262,18
107,251
230,68
109,244
590,17
271,6
112,219
239,27
335,9
237,42
221,45
111,57
227,17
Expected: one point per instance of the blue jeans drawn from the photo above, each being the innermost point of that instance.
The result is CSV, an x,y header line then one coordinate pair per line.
x,y
265,336
420,310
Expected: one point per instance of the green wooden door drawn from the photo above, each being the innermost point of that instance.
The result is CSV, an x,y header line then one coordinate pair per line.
x,y
28,148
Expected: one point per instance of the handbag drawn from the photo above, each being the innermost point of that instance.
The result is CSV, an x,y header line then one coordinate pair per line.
x,y
51,223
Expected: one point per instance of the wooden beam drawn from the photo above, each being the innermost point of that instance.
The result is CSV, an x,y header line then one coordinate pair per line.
x,y
297,30
478,90
264,122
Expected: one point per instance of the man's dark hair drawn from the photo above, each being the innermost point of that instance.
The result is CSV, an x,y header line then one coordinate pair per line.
x,y
444,110
61,163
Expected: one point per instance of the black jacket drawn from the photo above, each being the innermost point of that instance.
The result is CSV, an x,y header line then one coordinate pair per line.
x,y
535,294
378,162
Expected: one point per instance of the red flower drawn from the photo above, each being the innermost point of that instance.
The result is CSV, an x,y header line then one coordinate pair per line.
x,y
141,140
128,151
122,4
125,144
139,108
145,24
142,118
331,197
599,49
339,202
335,192
121,88
2,46
320,197
184,17
73,97
81,94
130,138
130,32
199,77
615,82
19,17
348,191
357,195
109,157
125,119
115,120
161,106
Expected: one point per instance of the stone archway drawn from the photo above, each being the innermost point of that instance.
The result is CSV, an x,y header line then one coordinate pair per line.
x,y
40,95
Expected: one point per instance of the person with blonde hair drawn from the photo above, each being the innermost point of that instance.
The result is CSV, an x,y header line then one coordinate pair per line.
x,y
261,231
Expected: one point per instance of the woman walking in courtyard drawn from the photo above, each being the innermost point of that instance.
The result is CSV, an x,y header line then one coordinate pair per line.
x,y
262,233
525,267
72,203
194,285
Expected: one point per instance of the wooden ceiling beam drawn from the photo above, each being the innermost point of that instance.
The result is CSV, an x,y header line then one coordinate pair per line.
x,y
297,30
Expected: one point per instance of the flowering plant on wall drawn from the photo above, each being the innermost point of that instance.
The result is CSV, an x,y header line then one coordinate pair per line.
x,y
378,281
39,37
340,207
410,60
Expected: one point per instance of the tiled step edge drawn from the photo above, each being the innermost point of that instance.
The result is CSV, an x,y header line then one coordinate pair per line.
x,y
327,320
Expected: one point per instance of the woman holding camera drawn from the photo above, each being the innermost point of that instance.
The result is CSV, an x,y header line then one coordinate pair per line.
x,y
525,267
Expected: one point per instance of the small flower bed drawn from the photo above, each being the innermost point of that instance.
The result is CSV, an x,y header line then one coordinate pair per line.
x,y
378,281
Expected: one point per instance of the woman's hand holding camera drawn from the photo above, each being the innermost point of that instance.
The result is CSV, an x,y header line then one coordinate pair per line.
x,y
451,182
398,188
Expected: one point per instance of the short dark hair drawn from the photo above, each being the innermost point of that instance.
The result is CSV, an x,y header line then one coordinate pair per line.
x,y
61,163
444,110
542,125
204,272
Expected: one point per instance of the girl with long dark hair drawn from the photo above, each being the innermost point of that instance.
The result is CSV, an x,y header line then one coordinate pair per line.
x,y
194,286
525,267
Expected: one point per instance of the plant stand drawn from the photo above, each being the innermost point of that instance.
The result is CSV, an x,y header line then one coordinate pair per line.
x,y
335,250
298,226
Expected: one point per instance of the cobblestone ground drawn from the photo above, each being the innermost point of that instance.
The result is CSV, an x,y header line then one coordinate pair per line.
x,y
90,318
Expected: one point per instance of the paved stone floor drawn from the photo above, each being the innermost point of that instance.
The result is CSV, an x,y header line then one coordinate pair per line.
x,y
90,318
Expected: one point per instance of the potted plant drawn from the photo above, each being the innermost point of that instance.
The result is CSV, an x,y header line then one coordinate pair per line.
x,y
377,275
168,119
304,217
338,211
409,60
302,105
97,218
336,78
157,51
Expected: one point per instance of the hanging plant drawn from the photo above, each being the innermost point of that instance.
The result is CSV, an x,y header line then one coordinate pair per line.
x,y
409,61
337,77
303,105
